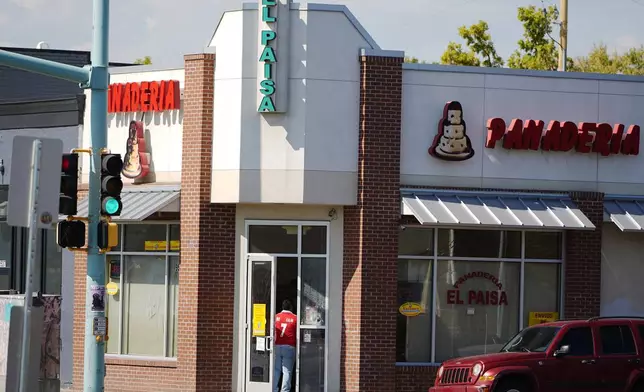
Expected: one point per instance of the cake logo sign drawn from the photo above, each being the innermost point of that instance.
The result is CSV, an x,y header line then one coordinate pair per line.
x,y
451,142
136,163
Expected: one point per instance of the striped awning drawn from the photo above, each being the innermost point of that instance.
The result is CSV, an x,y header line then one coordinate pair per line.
x,y
140,202
500,210
627,214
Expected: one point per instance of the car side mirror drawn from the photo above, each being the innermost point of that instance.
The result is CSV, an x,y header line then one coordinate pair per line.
x,y
563,351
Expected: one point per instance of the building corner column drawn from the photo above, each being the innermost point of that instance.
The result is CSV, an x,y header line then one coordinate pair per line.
x,y
371,231
583,260
207,269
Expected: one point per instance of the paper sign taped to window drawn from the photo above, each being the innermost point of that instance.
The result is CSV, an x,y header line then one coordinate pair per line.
x,y
259,319
536,318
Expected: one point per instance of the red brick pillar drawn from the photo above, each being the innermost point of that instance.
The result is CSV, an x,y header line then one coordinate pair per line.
x,y
582,265
371,233
207,271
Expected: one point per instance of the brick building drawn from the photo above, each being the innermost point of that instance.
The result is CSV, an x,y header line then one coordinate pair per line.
x,y
319,175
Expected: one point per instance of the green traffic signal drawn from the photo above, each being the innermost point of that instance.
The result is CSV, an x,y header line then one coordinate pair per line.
x,y
111,206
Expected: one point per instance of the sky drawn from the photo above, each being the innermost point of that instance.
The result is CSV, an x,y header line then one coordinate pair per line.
x,y
168,29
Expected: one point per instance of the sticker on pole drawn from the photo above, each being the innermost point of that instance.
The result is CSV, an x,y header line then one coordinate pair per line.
x,y
99,327
98,298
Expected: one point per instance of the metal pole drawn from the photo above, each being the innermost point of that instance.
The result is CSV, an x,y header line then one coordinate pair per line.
x,y
44,67
563,36
31,257
94,373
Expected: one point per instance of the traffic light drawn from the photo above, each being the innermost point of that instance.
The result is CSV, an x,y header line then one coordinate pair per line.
x,y
108,235
68,204
111,184
70,234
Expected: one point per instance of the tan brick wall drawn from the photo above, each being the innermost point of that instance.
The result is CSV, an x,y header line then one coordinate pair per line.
x,y
207,272
371,234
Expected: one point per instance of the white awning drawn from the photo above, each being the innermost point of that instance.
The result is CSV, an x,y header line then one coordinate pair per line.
x,y
140,202
495,210
627,214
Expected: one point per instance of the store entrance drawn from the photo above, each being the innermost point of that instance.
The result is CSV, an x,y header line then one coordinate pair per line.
x,y
300,283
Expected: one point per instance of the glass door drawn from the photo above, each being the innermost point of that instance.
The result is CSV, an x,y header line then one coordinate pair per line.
x,y
259,325
288,264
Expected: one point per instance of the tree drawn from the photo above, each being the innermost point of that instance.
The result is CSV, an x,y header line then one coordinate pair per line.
x,y
600,61
537,49
144,61
414,60
481,50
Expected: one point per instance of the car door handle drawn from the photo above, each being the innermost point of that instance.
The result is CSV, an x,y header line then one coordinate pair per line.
x,y
588,361
635,361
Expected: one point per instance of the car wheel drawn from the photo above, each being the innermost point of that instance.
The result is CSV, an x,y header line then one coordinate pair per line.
x,y
512,386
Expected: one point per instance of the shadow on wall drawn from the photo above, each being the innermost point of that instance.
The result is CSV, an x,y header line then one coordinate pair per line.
x,y
295,135
167,118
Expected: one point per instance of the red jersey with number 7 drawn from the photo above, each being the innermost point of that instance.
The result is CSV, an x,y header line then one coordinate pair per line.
x,y
285,328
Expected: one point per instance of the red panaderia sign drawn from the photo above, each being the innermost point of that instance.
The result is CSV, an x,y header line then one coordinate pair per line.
x,y
477,297
584,137
144,97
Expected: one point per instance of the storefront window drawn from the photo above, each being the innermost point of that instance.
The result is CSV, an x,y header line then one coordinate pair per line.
x,y
542,289
473,298
53,263
414,319
477,307
479,243
142,311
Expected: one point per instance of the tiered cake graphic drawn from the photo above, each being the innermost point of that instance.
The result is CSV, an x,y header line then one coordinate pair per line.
x,y
451,143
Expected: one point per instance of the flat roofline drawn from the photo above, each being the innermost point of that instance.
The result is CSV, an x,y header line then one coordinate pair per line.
x,y
126,69
522,72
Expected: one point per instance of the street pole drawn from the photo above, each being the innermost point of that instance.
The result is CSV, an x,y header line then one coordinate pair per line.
x,y
96,78
94,374
31,258
563,36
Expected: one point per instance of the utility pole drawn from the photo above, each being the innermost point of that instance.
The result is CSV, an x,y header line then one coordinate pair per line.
x,y
563,36
96,78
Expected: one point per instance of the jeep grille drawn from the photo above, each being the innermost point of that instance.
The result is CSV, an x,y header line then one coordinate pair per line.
x,y
455,376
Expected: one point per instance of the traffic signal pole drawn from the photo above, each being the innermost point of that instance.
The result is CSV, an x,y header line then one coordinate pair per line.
x,y
96,78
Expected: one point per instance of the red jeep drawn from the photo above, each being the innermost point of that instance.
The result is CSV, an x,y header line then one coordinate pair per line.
x,y
602,354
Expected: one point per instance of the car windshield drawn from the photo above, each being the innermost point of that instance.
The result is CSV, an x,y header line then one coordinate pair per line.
x,y
533,339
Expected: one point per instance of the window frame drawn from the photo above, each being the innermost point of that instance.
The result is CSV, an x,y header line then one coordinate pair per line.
x,y
121,255
435,259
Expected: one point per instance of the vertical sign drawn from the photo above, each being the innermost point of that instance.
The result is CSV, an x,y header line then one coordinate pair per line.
x,y
272,70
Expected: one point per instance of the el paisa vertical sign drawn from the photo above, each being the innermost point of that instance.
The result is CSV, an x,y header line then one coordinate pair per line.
x,y
272,70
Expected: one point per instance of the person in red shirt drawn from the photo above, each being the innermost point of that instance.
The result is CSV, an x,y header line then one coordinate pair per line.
x,y
285,340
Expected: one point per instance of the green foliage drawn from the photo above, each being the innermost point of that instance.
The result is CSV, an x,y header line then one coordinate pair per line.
x,y
144,61
600,61
414,60
480,48
536,49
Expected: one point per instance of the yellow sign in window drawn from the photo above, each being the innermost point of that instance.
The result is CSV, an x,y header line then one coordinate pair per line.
x,y
160,246
259,319
542,317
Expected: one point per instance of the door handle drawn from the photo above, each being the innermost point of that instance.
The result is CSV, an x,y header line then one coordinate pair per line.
x,y
268,344
588,361
635,361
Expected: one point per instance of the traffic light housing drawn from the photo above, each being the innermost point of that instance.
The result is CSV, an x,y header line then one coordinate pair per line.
x,y
70,234
108,235
111,184
68,203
